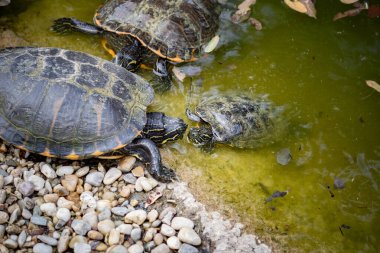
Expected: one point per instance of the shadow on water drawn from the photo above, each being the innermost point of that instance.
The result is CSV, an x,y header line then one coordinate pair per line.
x,y
317,69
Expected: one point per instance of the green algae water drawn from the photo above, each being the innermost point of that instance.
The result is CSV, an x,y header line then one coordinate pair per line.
x,y
317,69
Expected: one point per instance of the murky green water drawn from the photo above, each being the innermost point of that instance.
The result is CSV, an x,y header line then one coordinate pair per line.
x,y
317,68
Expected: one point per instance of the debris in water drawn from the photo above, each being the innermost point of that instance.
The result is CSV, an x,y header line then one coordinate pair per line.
x,y
343,226
351,13
374,85
257,24
284,156
243,12
339,183
276,194
303,6
332,195
212,44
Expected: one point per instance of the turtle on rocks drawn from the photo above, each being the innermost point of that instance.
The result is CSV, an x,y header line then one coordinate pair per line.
x,y
236,120
155,31
71,105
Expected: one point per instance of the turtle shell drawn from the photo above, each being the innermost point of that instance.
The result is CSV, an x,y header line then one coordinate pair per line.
x,y
69,104
239,121
173,29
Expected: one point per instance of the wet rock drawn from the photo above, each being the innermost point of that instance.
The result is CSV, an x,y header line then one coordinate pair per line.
x,y
189,236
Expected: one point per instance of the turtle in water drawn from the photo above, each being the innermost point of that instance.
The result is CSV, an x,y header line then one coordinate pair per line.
x,y
71,105
237,120
171,30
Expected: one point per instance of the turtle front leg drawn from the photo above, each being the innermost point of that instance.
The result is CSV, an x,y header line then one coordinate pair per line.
x,y
162,81
64,25
147,151
129,57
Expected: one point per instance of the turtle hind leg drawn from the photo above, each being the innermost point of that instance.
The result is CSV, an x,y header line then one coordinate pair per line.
x,y
162,81
65,25
147,151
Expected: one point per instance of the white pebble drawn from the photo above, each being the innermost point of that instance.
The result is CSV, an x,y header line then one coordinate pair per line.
x,y
38,182
167,230
136,248
48,171
173,242
105,226
181,222
111,176
64,170
137,216
188,235
63,214
49,208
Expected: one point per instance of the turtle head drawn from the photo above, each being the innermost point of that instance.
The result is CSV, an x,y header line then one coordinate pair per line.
x,y
200,136
174,128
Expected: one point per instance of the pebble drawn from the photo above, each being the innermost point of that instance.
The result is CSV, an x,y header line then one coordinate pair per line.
x,y
63,214
95,235
26,188
77,239
64,240
136,248
80,227
129,178
108,196
91,218
136,234
26,214
42,248
10,244
37,181
158,239
103,204
82,171
117,249
51,198
48,171
187,248
173,242
104,215
121,211
126,163
138,171
137,216
4,217
167,215
189,236
94,178
48,240
181,222
125,229
111,176
152,215
82,248
88,199
70,182
167,230
149,234
62,202
114,237
105,226
49,208
125,192
162,248
21,238
39,220
65,170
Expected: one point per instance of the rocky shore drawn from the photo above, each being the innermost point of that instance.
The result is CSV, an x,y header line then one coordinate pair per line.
x,y
49,205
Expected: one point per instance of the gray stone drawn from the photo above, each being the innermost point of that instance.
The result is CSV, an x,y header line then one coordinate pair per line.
x,y
136,234
21,238
167,230
111,176
82,248
63,242
136,248
65,170
187,248
181,222
10,244
94,178
80,227
26,214
47,239
4,217
26,188
42,248
39,220
38,182
104,215
121,211
162,248
167,215
48,171
129,178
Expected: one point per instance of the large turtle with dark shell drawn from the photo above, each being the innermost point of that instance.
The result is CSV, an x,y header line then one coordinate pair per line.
x,y
172,30
71,105
236,120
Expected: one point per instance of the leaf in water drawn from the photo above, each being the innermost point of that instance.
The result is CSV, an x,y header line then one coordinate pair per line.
x,y
339,183
284,156
243,12
212,44
349,13
257,24
374,85
348,1
303,6
178,74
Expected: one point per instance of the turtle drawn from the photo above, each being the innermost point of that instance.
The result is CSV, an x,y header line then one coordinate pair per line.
x,y
237,120
72,105
172,30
